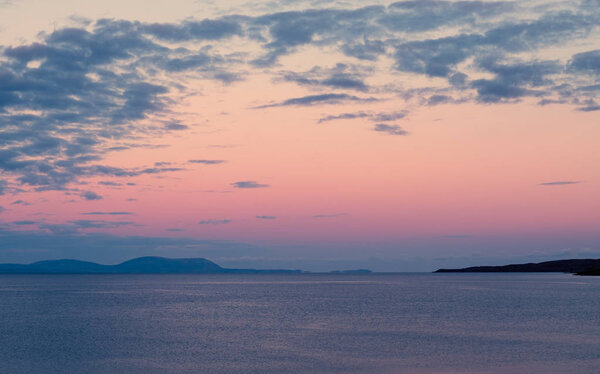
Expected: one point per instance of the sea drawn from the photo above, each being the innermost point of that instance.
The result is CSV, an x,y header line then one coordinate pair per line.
x,y
412,323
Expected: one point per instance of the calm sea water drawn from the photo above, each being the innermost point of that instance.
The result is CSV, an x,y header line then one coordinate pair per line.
x,y
402,323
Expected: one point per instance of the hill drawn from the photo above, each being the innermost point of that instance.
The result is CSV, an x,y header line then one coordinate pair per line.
x,y
141,265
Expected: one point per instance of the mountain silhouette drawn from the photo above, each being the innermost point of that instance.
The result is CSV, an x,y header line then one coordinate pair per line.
x,y
141,265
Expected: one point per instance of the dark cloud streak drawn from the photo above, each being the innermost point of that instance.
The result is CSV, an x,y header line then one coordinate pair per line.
x,y
249,184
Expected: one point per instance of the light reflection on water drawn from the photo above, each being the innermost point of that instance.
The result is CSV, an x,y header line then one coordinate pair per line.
x,y
391,323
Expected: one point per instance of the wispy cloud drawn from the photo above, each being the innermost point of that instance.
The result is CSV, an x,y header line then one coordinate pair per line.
x,y
329,98
335,215
207,162
266,217
374,117
20,202
24,223
214,222
99,224
107,213
249,184
559,183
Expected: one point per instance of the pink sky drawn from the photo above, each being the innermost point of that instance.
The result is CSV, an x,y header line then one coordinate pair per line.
x,y
488,172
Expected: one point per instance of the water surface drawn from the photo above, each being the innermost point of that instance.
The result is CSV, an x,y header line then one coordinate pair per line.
x,y
377,323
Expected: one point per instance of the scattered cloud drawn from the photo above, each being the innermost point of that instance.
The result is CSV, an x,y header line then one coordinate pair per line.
x,y
390,129
79,93
266,217
329,98
344,116
214,222
335,215
207,162
24,223
90,195
341,76
373,117
20,202
99,224
558,183
249,184
107,213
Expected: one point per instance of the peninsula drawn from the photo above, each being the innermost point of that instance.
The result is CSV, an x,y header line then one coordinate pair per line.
x,y
576,266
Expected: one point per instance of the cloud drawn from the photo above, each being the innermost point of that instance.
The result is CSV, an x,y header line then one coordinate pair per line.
x,y
176,126
365,49
589,106
90,195
214,222
374,117
79,93
289,30
99,224
266,217
207,162
344,116
439,99
329,98
514,80
586,62
74,227
3,186
175,230
206,29
425,15
389,116
558,183
329,215
390,129
341,76
249,184
24,223
20,202
439,57
107,213
90,86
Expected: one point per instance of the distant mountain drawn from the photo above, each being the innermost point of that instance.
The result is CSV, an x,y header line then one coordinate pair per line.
x,y
579,267
141,265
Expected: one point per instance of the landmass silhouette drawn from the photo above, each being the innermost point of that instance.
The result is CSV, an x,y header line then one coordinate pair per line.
x,y
576,266
142,265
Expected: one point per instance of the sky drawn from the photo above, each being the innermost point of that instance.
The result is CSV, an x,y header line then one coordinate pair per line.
x,y
316,135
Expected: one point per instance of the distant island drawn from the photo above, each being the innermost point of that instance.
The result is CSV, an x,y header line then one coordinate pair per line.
x,y
142,265
576,266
